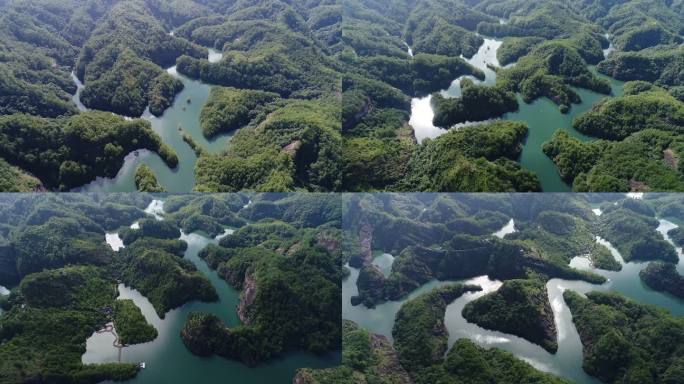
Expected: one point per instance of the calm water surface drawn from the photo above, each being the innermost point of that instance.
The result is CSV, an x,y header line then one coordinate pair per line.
x,y
542,116
183,114
567,361
168,360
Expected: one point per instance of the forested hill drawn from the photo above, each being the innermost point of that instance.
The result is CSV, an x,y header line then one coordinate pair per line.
x,y
120,50
318,93
282,259
398,50
284,54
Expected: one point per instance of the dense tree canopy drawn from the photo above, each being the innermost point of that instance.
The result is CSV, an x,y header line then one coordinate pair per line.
x,y
68,152
625,341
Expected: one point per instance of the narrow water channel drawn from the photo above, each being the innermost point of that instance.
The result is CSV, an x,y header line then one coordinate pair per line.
x,y
3,292
542,116
169,361
421,109
181,117
567,361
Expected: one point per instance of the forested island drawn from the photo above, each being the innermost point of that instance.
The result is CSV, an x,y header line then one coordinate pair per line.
x,y
283,264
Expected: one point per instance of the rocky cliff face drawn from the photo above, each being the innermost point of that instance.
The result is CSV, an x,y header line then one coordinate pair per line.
x,y
365,255
249,292
389,360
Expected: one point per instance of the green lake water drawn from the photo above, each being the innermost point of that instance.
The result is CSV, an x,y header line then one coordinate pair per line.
x,y
542,117
169,361
184,112
567,361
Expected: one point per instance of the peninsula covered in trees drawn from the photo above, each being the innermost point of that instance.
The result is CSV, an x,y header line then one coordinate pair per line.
x,y
323,96
537,258
557,50
65,279
277,56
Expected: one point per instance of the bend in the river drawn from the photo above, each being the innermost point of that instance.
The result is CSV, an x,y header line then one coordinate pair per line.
x,y
542,116
567,361
183,114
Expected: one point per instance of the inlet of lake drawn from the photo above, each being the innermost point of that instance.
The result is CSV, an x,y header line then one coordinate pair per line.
x,y
542,116
567,361
183,114
167,360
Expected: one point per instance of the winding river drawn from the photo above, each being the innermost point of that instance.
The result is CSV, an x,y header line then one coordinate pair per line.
x,y
542,116
183,113
567,361
167,359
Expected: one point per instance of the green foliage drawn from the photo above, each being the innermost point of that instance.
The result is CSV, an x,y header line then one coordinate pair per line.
x,y
514,48
422,74
548,71
130,86
40,41
444,28
42,334
420,336
263,49
519,307
121,61
13,179
56,243
659,65
475,158
74,287
296,146
624,340
130,324
476,103
558,236
69,152
160,229
165,279
601,258
308,275
468,363
46,345
647,160
286,274
145,181
210,213
617,118
677,236
663,276
229,109
634,235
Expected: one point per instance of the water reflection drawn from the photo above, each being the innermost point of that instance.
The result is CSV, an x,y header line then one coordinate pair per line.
x,y
421,109
567,361
181,118
384,263
508,228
